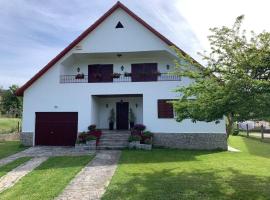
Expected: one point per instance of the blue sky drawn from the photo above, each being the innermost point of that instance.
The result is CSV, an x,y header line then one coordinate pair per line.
x,y
32,32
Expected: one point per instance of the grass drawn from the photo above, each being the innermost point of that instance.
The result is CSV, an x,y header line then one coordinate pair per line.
x,y
48,180
10,166
175,174
10,147
8,125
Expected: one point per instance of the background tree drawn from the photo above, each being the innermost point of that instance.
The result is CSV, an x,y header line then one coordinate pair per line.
x,y
235,83
10,103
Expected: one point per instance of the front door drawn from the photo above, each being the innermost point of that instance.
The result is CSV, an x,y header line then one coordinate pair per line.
x,y
122,115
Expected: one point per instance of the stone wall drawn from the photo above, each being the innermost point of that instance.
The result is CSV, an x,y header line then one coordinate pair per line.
x,y
10,137
26,138
203,141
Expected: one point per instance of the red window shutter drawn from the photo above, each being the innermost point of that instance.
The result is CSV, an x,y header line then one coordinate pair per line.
x,y
165,109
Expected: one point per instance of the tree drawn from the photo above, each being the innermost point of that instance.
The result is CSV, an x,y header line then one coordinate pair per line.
x,y
10,103
235,83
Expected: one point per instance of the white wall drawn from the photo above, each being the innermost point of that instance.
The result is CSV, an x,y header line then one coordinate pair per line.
x,y
133,37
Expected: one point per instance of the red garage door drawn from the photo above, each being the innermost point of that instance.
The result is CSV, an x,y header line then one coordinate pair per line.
x,y
56,128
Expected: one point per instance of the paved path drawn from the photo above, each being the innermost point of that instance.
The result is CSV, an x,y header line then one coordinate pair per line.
x,y
231,149
45,151
90,183
16,174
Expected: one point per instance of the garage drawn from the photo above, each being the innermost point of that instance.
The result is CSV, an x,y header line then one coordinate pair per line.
x,y
56,128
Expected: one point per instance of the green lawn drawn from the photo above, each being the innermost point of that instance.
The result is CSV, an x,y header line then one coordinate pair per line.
x,y
10,166
8,125
175,174
48,180
10,147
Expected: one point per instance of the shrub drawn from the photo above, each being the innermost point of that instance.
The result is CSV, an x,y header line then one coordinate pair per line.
x,y
236,132
148,141
92,127
134,138
90,137
147,134
139,127
82,137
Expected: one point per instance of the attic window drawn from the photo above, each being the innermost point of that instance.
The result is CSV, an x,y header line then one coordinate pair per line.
x,y
119,25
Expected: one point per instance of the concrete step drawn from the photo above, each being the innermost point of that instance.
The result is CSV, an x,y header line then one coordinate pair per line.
x,y
112,147
114,137
113,143
115,132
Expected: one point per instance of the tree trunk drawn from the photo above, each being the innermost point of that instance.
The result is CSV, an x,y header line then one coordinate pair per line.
x,y
229,129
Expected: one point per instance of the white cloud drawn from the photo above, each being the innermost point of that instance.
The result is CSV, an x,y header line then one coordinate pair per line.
x,y
202,15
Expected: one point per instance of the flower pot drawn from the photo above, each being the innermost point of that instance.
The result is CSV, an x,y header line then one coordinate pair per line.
x,y
111,125
91,144
80,147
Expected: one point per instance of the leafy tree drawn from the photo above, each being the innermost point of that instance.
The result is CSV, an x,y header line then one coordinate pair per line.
x,y
235,83
10,103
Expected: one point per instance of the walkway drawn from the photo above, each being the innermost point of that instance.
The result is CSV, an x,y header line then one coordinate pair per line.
x,y
45,151
91,182
16,174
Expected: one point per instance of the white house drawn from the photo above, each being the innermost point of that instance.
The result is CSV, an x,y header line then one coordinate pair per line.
x,y
120,63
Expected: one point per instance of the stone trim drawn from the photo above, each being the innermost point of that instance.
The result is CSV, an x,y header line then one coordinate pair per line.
x,y
200,141
27,138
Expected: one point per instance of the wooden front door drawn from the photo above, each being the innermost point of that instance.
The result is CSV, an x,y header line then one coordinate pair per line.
x,y
56,128
122,115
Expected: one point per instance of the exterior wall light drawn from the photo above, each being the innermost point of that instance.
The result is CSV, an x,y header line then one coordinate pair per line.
x,y
168,67
78,69
136,105
107,106
122,68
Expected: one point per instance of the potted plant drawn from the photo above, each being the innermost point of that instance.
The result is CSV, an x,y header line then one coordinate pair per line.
x,y
79,76
81,142
127,74
134,141
95,132
91,141
147,144
111,119
116,75
132,118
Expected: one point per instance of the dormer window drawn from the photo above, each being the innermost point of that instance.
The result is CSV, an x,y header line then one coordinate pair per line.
x,y
119,25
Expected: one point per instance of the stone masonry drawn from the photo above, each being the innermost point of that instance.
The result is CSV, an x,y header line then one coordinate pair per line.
x,y
27,138
203,141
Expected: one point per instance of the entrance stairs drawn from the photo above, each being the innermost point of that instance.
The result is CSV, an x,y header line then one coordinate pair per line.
x,y
113,139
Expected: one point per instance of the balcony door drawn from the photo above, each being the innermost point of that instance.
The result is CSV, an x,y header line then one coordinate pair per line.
x,y
144,72
100,73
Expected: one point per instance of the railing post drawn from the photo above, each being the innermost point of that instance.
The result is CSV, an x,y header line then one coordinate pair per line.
x,y
262,131
247,130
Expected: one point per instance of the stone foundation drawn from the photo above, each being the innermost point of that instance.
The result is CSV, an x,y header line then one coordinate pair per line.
x,y
202,141
27,138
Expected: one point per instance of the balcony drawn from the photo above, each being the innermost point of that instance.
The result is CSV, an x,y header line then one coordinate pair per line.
x,y
121,78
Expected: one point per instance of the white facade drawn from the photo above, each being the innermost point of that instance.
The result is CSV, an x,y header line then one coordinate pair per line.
x,y
136,45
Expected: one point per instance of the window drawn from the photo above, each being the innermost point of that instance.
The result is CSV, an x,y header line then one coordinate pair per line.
x,y
119,25
165,108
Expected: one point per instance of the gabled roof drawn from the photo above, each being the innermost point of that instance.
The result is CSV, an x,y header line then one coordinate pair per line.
x,y
21,90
